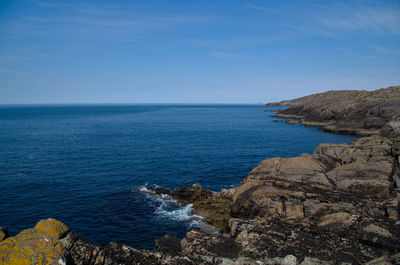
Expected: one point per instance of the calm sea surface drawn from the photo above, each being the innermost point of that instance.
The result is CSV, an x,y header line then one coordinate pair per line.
x,y
87,165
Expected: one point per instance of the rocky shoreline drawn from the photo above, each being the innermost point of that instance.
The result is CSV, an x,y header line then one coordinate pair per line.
x,y
339,205
357,112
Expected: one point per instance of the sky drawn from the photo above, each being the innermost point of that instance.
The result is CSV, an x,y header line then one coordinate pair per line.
x,y
209,51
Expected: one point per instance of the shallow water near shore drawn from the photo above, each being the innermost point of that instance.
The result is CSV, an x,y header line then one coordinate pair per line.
x,y
88,165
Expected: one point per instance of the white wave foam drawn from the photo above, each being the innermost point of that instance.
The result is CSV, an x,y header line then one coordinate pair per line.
x,y
169,208
179,214
144,189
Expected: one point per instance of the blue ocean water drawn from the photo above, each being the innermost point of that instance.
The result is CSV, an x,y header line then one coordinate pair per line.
x,y
87,165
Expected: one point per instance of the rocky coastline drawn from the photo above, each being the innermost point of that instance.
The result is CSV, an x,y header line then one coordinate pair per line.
x,y
339,205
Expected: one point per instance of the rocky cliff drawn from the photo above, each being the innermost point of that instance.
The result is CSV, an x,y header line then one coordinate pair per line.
x,y
339,205
347,111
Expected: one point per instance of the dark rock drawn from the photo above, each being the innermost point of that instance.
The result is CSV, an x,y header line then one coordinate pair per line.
x,y
115,254
214,208
197,242
159,191
291,121
169,244
381,236
190,194
83,252
3,233
386,260
216,211
373,123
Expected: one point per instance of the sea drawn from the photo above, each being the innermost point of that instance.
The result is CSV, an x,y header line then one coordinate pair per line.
x,y
89,165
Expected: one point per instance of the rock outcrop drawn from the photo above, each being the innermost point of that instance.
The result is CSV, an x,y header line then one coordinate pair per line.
x,y
348,111
214,208
38,245
340,203
52,243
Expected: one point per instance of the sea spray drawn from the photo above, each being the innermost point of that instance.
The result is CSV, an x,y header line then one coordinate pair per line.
x,y
170,208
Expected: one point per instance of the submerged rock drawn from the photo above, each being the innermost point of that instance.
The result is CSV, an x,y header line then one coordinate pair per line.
x,y
185,195
3,233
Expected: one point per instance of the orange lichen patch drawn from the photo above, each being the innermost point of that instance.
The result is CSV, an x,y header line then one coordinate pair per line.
x,y
31,246
52,227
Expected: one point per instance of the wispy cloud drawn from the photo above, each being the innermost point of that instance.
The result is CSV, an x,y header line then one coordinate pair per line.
x,y
9,58
223,55
138,22
333,20
54,4
257,7
387,50
96,21
13,55
371,20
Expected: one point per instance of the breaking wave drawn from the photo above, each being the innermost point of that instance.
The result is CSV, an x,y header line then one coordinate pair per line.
x,y
167,207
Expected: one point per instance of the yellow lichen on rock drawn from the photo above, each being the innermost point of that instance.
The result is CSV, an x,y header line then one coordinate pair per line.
x,y
33,246
52,227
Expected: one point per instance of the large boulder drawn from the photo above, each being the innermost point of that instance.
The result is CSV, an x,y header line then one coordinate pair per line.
x,y
277,186
363,149
364,179
39,245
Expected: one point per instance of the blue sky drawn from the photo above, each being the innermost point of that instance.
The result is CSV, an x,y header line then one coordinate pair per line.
x,y
255,51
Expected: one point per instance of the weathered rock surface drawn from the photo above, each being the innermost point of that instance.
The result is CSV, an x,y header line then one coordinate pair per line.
x,y
339,204
51,242
39,245
343,198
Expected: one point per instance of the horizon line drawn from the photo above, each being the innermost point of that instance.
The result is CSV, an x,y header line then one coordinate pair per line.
x,y
131,103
